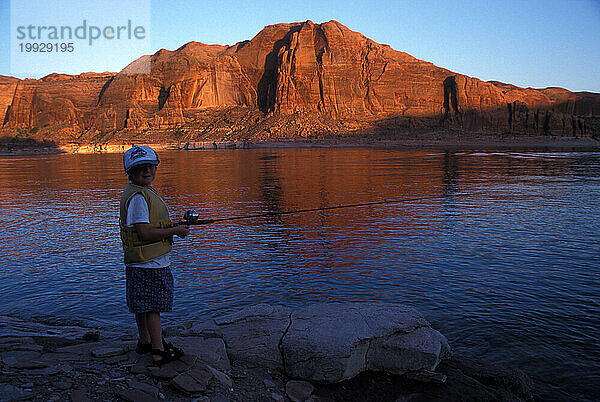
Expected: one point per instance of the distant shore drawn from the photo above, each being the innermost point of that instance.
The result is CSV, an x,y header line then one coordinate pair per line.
x,y
462,141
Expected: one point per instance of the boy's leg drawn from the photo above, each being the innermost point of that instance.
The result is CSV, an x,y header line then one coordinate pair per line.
x,y
155,330
142,325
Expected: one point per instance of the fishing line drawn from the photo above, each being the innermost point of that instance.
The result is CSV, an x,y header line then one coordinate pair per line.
x,y
191,217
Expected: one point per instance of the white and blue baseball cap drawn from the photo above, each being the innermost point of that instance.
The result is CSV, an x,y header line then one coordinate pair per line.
x,y
139,155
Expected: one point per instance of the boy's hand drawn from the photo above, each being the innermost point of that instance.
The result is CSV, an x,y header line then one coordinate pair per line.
x,y
182,230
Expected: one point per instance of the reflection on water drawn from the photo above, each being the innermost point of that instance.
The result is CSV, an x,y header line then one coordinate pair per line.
x,y
503,258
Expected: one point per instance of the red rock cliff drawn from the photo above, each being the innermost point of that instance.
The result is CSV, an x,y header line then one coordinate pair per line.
x,y
324,70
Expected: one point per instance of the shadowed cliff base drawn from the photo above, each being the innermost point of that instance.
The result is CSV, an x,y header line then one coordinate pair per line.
x,y
513,126
16,145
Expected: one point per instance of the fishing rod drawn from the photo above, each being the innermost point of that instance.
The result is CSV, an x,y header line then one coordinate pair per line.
x,y
192,217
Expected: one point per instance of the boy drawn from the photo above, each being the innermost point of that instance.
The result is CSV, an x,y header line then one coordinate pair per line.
x,y
147,236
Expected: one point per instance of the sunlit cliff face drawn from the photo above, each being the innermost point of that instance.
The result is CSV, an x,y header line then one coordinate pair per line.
x,y
322,70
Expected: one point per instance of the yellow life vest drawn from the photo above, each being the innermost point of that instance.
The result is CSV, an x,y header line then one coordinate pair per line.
x,y
134,248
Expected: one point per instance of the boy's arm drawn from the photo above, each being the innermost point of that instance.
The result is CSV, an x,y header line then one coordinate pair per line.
x,y
138,217
152,234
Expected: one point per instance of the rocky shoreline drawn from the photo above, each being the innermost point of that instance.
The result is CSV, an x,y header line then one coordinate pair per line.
x,y
450,140
330,352
573,144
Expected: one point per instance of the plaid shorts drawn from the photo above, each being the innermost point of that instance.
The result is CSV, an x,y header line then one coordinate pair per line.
x,y
149,289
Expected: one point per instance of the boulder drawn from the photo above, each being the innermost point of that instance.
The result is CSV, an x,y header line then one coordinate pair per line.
x,y
469,376
328,343
298,391
252,335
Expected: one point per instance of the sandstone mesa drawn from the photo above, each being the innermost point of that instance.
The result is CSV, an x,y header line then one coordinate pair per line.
x,y
292,80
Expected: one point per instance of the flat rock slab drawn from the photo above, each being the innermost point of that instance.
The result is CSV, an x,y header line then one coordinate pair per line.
x,y
269,384
134,395
144,387
277,397
80,395
9,392
86,349
55,358
252,335
198,378
223,378
208,350
164,372
329,343
20,358
47,371
140,368
173,368
116,359
108,351
15,327
182,364
188,384
15,339
201,375
62,385
34,348
29,365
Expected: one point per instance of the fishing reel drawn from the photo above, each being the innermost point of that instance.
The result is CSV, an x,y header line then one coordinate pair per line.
x,y
191,217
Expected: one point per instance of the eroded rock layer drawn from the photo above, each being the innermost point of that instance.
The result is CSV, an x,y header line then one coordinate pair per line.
x,y
324,71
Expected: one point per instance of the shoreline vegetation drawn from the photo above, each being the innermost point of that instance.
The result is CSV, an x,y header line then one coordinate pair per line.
x,y
449,140
258,353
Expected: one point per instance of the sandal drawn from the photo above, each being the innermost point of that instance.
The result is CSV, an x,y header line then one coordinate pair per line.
x,y
142,348
165,355
175,351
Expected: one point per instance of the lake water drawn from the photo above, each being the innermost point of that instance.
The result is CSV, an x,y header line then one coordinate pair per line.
x,y
504,258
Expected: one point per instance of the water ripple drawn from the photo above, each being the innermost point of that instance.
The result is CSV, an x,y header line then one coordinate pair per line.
x,y
504,260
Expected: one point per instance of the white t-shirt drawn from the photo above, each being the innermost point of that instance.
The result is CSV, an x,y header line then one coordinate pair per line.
x,y
137,212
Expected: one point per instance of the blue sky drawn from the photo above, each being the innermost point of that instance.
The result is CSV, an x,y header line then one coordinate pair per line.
x,y
526,43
